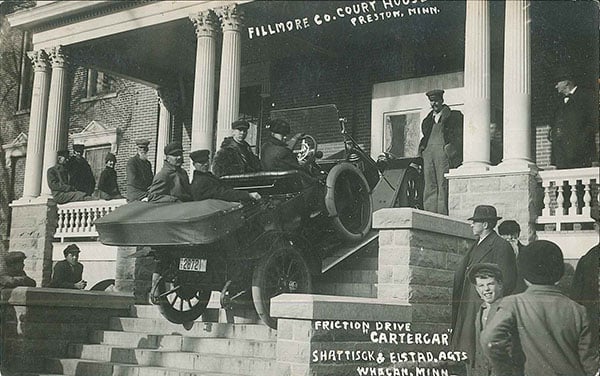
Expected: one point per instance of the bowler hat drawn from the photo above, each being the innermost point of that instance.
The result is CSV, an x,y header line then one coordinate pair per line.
x,y
200,156
484,213
110,157
485,267
15,256
63,153
541,262
142,143
279,126
71,248
240,124
174,148
509,227
434,94
78,148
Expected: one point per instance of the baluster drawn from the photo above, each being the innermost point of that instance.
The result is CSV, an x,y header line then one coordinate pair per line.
x,y
573,199
560,200
547,200
61,221
73,220
95,214
587,196
89,219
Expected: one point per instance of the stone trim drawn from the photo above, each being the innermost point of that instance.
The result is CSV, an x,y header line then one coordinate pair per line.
x,y
51,297
16,148
96,134
415,219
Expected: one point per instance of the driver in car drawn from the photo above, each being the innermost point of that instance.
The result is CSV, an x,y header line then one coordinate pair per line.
x,y
276,154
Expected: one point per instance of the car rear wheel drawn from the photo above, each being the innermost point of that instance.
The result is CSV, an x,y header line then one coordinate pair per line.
x,y
282,271
181,303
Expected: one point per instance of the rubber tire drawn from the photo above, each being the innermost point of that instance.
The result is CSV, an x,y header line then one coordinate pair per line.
x,y
103,285
266,270
180,317
332,209
410,192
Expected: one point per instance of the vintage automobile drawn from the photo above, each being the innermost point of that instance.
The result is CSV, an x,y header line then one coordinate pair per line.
x,y
276,245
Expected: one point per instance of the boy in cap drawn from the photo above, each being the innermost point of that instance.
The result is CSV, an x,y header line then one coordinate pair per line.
x,y
490,248
68,272
139,173
235,156
107,184
14,275
554,331
80,172
441,148
206,185
171,184
58,182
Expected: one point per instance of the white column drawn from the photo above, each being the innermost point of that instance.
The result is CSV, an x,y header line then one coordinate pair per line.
x,y
231,60
517,85
477,86
37,125
206,24
165,102
56,124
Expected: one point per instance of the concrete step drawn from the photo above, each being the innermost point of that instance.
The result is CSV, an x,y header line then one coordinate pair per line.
x,y
224,346
197,329
349,276
149,311
360,290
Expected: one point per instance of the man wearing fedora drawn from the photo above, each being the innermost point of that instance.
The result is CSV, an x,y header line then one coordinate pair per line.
x,y
58,182
107,183
14,275
205,185
553,331
68,273
171,183
574,126
235,155
80,173
441,148
139,173
490,248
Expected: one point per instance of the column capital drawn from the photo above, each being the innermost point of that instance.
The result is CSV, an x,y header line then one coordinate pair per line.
x,y
206,23
39,60
58,57
231,18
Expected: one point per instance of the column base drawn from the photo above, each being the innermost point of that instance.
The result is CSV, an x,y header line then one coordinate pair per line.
x,y
515,165
472,167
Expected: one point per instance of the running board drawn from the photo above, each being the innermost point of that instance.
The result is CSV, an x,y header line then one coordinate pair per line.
x,y
347,250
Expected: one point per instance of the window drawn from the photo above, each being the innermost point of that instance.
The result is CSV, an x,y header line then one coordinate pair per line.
x,y
25,75
95,157
98,84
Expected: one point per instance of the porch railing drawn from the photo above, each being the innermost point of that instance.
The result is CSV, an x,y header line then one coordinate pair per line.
x,y
569,196
76,219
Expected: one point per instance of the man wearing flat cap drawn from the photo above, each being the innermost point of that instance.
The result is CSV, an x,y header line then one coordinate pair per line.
x,y
14,275
58,182
171,183
276,154
553,331
490,248
107,183
441,148
80,173
574,126
235,156
139,173
205,185
68,273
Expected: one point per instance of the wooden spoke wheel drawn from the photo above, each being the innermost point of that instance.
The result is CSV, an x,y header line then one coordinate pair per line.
x,y
181,303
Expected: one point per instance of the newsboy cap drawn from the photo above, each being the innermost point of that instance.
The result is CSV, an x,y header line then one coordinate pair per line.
x,y
174,148
484,213
434,94
78,147
142,143
240,124
15,256
200,156
110,157
71,248
541,262
493,269
279,126
63,153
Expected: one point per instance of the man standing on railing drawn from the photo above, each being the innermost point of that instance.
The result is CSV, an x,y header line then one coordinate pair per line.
x,y
58,182
80,172
139,173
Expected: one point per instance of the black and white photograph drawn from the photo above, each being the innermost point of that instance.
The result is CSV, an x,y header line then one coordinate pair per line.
x,y
299,188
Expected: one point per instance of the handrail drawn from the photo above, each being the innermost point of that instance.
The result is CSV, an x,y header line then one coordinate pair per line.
x,y
76,219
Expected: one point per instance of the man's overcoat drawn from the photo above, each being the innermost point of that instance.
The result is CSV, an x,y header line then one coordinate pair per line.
x,y
139,178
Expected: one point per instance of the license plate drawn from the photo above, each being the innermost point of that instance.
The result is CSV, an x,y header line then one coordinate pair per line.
x,y
192,264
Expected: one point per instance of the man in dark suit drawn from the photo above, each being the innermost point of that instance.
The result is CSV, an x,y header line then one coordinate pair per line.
x,y
139,173
68,272
171,183
58,182
276,154
80,172
205,185
575,123
490,248
441,148
235,156
14,275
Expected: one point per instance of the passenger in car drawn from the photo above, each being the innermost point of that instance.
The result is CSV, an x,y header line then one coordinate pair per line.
x,y
275,153
205,185
171,184
235,155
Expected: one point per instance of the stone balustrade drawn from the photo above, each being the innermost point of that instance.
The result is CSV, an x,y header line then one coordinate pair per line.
x,y
569,196
76,219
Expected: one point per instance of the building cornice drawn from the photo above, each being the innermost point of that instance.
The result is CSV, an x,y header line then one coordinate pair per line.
x,y
52,12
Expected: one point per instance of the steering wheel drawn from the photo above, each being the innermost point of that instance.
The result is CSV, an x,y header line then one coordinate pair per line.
x,y
305,148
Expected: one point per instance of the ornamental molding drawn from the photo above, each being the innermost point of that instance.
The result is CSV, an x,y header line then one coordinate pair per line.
x,y
231,18
96,134
58,56
206,23
39,60
15,149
